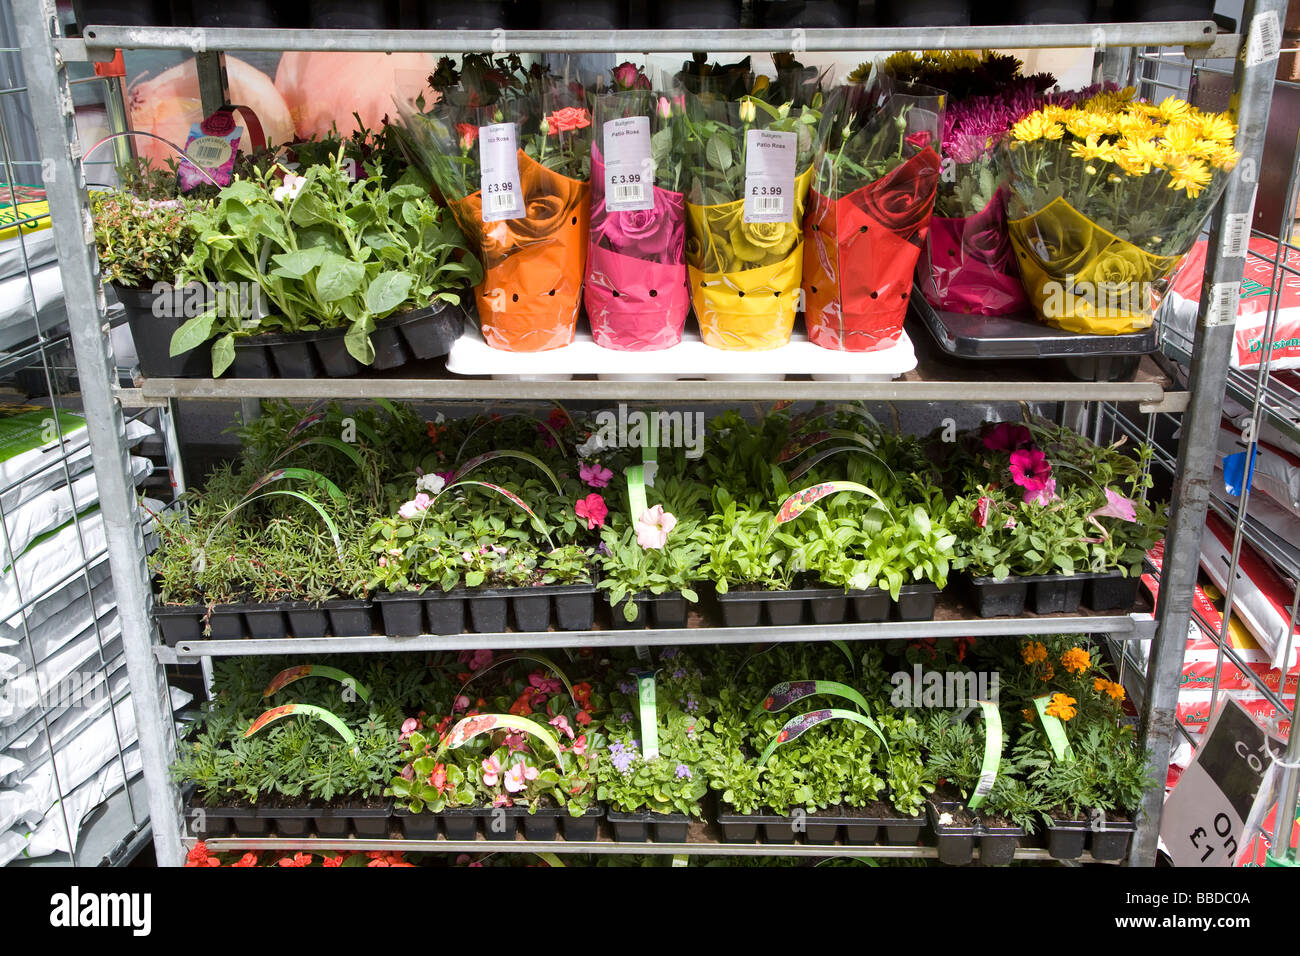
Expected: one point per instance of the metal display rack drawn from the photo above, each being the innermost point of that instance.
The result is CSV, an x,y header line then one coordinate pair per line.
x,y
46,55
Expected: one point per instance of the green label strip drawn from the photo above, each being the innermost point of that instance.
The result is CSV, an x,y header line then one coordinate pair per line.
x,y
1054,729
645,693
636,491
992,753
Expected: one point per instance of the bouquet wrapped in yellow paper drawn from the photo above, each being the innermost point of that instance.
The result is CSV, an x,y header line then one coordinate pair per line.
x,y
1105,198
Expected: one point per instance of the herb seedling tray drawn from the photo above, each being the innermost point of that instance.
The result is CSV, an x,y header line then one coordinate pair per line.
x,y
998,844
956,842
916,602
417,826
1066,838
646,825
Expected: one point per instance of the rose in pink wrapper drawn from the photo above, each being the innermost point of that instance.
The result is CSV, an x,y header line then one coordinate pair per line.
x,y
654,234
971,268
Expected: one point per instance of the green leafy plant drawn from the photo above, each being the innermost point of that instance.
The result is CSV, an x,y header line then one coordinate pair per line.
x,y
142,241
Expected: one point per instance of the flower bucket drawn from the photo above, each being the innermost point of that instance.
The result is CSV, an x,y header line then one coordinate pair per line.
x,y
745,277
533,267
859,255
969,264
1082,278
635,293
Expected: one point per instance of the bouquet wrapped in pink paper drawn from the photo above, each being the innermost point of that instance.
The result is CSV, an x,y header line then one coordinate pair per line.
x,y
635,293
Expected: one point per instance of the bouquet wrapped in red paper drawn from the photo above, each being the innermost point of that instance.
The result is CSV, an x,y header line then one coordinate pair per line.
x,y
869,211
635,292
510,153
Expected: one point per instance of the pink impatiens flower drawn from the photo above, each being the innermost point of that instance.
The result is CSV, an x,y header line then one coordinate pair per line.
x,y
593,509
653,527
1030,469
413,507
491,771
594,475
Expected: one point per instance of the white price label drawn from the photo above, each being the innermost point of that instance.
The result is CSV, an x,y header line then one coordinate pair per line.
x,y
499,155
1222,308
1236,234
769,175
629,168
1265,40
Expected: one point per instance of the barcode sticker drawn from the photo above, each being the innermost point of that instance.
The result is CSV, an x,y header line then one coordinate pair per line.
x,y
209,151
629,167
1265,40
499,183
1222,309
1236,234
769,175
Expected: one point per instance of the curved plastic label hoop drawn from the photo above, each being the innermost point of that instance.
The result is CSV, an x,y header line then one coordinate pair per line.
x,y
784,694
821,456
509,496
801,501
470,727
291,674
795,728
544,661
487,456
288,710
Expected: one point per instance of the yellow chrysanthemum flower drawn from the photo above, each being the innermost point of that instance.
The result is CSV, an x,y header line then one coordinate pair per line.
x,y
1172,108
1182,138
1036,126
1223,156
1062,707
1217,127
1076,660
1091,149
1189,175
1137,156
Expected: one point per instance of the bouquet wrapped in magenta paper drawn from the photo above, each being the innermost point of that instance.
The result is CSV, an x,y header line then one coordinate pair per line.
x,y
1105,198
511,156
635,293
749,166
869,212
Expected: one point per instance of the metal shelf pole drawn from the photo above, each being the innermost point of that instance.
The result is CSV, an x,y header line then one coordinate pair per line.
x,y
65,185
1253,85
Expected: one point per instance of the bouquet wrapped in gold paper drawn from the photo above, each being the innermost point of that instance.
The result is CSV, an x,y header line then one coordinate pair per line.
x,y
1105,198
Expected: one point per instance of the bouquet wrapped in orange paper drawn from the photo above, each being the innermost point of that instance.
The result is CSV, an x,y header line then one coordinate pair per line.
x,y
510,152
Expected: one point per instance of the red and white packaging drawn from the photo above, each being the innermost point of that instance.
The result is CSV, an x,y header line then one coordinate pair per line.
x,y
1252,308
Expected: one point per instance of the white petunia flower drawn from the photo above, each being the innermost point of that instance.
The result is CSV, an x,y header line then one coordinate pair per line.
x,y
593,444
289,189
432,483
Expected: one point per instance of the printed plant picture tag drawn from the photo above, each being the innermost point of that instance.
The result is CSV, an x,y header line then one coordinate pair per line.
x,y
499,155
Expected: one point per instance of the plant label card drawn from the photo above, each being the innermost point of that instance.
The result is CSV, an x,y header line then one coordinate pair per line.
x,y
769,175
629,168
499,157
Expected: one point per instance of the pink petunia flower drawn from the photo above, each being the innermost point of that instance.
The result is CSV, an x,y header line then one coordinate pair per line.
x,y
1117,506
981,512
595,475
1007,436
653,527
413,507
1030,469
1043,496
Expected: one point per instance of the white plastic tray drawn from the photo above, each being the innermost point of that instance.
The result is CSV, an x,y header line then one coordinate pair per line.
x,y
690,359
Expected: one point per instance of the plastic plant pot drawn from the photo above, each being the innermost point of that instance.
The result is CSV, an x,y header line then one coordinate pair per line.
x,y
870,605
543,826
829,608
668,610
1051,11
1056,593
332,824
998,844
265,621
998,598
179,623
618,619
252,359
861,832
740,608
697,14
1066,838
335,359
956,843
295,356
152,335
257,14
290,821
821,832
925,13
669,827
575,606
248,821
417,826
737,828
349,618
582,15
459,823
917,602
901,831
487,612
430,332
403,613
629,827
532,612
1110,840
498,825
307,619
814,14
226,622
445,611
390,347
582,829
1173,10
372,823
126,13
784,611
462,14
1111,592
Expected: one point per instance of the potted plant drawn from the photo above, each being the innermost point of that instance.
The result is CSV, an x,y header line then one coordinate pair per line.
x,y
651,565
348,276
142,245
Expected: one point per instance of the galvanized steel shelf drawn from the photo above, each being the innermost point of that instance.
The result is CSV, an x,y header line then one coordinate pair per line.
x,y
1134,626
1197,33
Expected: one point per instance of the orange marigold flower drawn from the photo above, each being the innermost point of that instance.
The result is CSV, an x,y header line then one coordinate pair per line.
x,y
1062,706
1076,660
1110,688
1033,652
1049,673
1027,714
